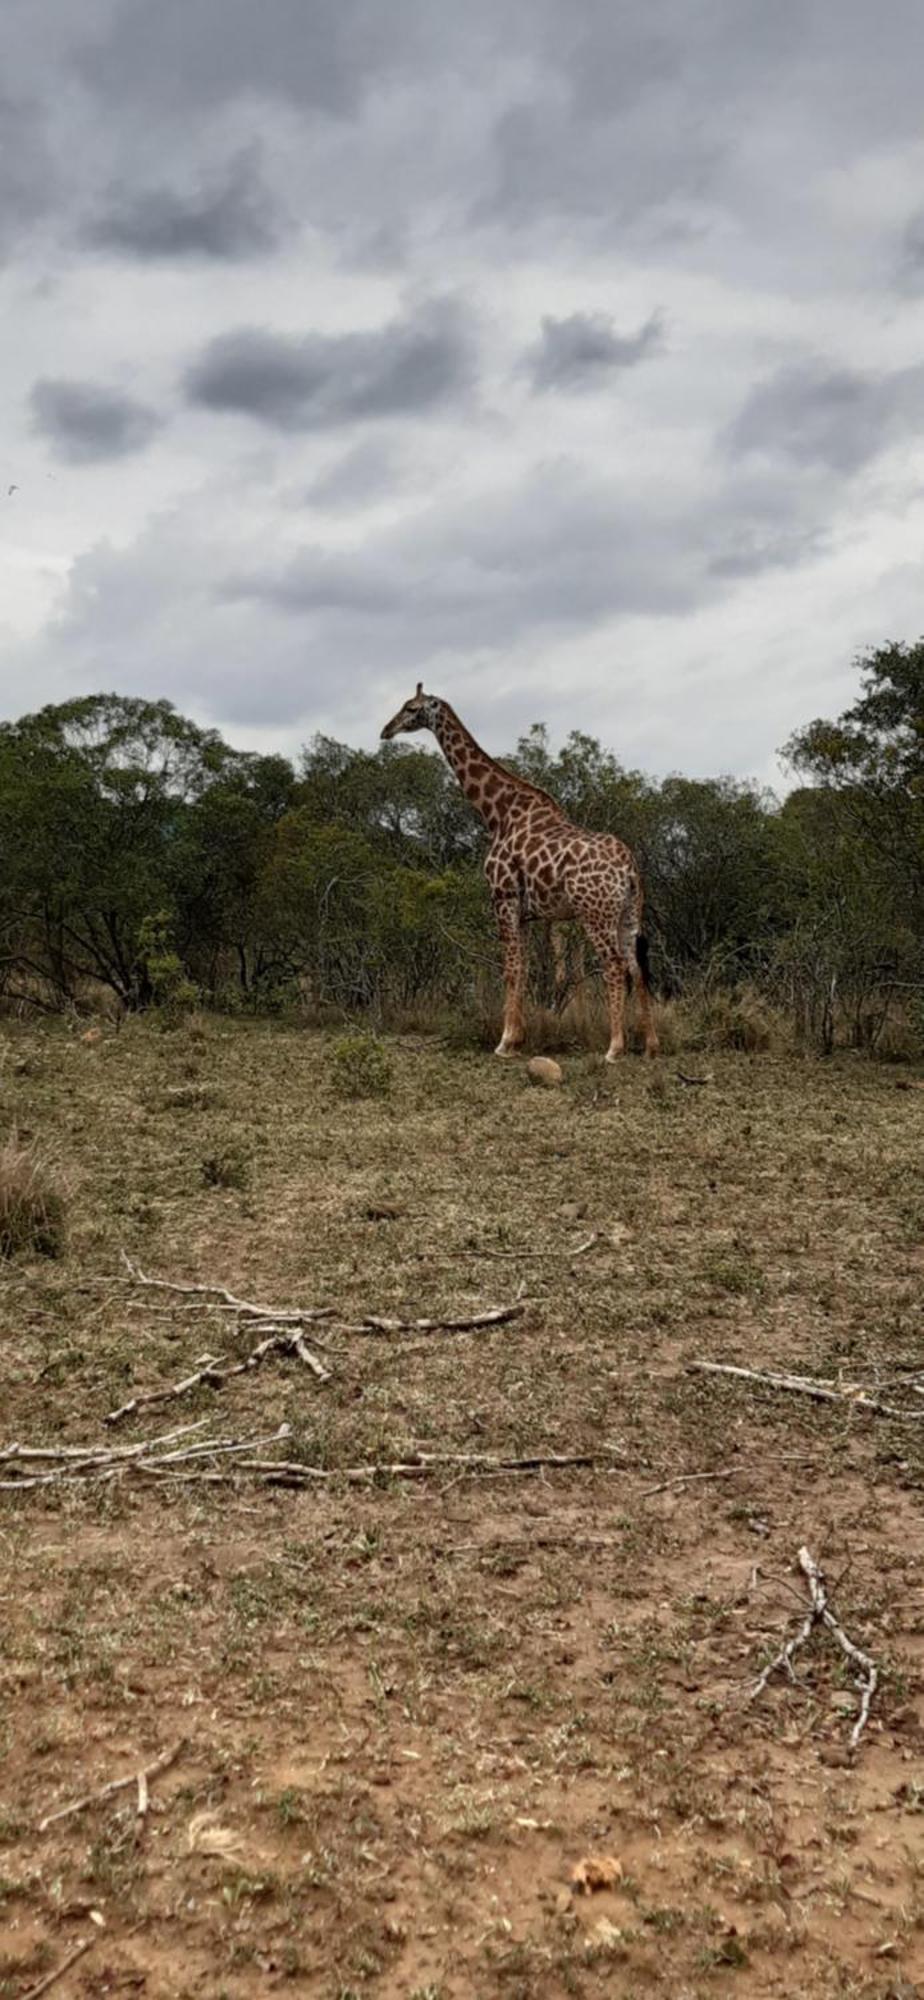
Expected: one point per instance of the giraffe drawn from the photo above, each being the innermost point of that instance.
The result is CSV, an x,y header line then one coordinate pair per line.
x,y
541,867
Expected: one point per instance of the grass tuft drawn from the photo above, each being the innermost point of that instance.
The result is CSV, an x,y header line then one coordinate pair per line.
x,y
32,1215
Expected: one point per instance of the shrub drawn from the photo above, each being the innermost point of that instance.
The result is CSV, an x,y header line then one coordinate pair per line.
x,y
360,1067
737,1018
31,1210
170,988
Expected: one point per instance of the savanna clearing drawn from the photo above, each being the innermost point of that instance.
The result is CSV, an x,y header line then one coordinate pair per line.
x,y
406,1707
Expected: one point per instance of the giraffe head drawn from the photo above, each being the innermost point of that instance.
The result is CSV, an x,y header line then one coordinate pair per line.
x,y
419,712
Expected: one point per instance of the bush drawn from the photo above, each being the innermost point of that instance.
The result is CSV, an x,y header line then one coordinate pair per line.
x,y
737,1018
163,968
31,1210
360,1067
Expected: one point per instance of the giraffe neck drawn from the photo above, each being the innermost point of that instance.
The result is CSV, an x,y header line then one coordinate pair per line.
x,y
487,786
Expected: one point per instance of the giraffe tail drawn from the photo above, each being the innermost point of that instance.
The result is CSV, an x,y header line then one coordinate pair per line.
x,y
643,961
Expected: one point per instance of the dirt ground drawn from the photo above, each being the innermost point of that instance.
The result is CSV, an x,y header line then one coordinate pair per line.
x,y
407,1708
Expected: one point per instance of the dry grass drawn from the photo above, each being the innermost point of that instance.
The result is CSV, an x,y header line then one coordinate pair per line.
x,y
410,1709
32,1215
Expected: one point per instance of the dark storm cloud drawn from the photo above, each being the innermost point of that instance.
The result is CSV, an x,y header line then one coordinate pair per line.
x,y
316,381
225,219
85,423
815,414
581,351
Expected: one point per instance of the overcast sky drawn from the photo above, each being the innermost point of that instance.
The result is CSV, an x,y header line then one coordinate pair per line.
x,y
567,355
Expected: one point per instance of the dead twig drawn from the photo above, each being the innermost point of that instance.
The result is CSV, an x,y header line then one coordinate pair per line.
x,y
291,1472
495,1316
160,1764
279,1315
216,1371
804,1385
145,1458
51,1978
688,1479
682,1077
820,1613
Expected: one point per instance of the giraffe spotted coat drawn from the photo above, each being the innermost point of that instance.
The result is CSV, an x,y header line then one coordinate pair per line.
x,y
540,866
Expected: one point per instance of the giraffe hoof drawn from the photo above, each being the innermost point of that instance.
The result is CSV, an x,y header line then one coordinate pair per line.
x,y
613,1055
505,1049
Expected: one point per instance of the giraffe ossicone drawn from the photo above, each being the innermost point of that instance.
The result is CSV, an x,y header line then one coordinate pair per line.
x,y
540,867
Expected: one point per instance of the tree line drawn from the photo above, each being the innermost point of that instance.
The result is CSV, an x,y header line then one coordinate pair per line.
x,y
144,855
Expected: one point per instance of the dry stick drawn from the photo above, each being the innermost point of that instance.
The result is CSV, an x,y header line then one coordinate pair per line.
x,y
110,1465
161,1763
687,1479
289,1472
820,1613
217,1372
868,1680
51,1978
377,1323
88,1451
291,1315
683,1078
802,1385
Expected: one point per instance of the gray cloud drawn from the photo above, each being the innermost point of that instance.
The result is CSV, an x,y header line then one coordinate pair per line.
x,y
224,219
816,414
26,172
205,52
366,472
85,422
581,351
557,549
911,262
318,380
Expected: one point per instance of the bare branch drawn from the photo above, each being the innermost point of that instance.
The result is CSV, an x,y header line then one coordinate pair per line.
x,y
279,1315
803,1385
820,1613
215,1372
496,1316
51,1978
160,1764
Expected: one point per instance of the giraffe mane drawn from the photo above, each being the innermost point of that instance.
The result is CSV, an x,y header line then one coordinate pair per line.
x,y
513,777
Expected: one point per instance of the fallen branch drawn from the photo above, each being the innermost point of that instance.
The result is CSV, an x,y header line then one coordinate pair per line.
x,y
160,1764
291,1472
34,1453
68,1468
216,1371
188,1465
687,1479
279,1315
820,1613
804,1385
51,1978
378,1323
682,1077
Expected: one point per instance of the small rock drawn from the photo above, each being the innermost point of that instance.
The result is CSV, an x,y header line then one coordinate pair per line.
x,y
545,1072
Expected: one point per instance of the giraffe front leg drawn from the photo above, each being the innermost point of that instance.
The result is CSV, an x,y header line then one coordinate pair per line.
x,y
512,940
